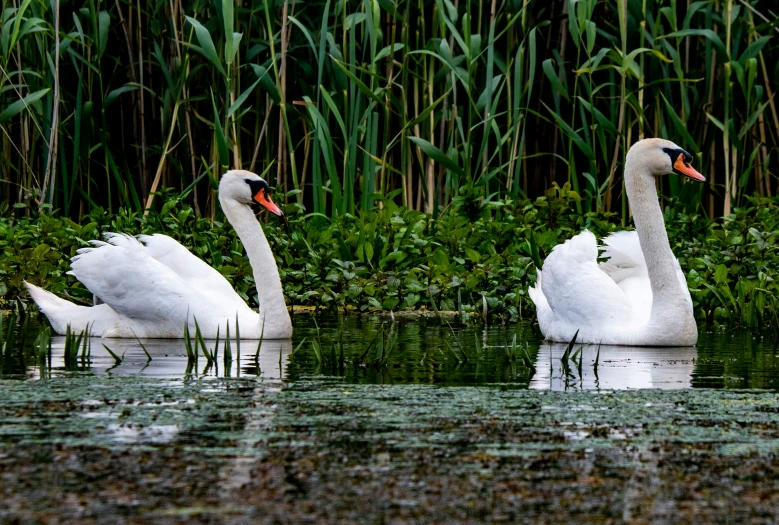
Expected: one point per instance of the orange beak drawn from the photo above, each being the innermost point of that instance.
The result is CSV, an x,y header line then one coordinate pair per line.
x,y
262,198
682,167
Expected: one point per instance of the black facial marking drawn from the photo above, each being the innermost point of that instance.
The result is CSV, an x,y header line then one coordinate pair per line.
x,y
257,186
674,153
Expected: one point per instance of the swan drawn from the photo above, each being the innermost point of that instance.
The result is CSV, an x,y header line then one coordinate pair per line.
x,y
639,295
152,286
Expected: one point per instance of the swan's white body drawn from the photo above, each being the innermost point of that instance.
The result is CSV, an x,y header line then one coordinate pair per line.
x,y
153,286
639,295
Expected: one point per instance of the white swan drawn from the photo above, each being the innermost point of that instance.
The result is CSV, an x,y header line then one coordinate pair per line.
x,y
639,296
152,286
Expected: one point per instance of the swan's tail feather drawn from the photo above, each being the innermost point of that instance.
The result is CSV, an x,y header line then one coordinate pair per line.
x,y
579,248
122,239
543,310
60,312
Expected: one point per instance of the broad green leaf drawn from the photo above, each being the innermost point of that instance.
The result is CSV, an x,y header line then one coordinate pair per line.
x,y
104,23
33,25
473,255
359,83
681,129
592,32
573,25
206,44
17,22
113,95
334,110
352,20
306,33
487,93
15,108
221,140
387,50
451,11
752,118
753,49
692,10
437,155
706,33
236,40
266,84
577,139
227,19
627,62
241,99
551,74
716,122
600,117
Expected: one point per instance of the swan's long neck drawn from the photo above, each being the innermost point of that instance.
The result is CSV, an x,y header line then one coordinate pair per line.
x,y
266,273
641,191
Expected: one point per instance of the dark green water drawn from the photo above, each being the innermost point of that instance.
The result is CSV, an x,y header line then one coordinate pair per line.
x,y
377,350
435,424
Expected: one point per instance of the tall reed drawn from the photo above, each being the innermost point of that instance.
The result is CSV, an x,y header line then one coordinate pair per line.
x,y
347,103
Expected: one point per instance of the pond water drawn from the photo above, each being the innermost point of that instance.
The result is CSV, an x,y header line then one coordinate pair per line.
x,y
360,419
377,350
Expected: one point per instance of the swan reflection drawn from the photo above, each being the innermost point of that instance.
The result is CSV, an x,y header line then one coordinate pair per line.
x,y
169,358
619,367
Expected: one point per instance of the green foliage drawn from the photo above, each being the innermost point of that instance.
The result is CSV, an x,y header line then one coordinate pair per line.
x,y
354,101
393,258
17,350
731,264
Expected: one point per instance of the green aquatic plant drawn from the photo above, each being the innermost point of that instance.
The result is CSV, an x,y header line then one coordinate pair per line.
x,y
420,103
72,345
117,360
446,264
567,356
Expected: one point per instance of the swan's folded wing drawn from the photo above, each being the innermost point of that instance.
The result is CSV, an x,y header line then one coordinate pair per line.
x,y
134,284
624,257
191,269
625,264
578,291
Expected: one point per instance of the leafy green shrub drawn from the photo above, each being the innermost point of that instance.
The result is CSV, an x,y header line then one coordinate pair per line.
x,y
394,258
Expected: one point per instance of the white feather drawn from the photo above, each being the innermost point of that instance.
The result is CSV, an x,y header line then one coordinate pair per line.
x,y
152,286
612,302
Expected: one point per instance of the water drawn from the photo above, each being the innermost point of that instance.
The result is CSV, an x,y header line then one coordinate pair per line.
x,y
429,351
420,421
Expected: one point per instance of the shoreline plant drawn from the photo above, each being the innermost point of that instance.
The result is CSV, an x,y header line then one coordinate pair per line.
x,y
476,261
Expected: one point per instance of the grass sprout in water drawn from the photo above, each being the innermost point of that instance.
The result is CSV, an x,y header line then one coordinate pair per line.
x,y
15,357
78,349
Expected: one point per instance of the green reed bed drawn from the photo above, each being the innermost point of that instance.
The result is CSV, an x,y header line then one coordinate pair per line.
x,y
428,103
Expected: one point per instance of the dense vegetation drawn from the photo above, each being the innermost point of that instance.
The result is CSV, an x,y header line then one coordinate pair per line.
x,y
345,102
476,258
416,144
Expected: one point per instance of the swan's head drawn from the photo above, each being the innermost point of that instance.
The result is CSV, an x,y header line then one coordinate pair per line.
x,y
247,188
662,157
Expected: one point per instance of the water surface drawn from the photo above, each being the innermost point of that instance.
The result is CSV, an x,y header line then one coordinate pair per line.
x,y
467,433
377,350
